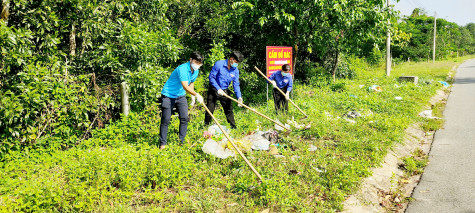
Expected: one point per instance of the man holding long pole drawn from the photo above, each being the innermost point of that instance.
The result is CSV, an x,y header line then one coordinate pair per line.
x,y
181,81
222,74
283,80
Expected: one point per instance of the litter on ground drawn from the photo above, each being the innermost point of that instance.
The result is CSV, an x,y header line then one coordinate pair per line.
x,y
217,149
375,88
277,127
272,136
242,144
295,124
273,150
259,142
445,84
295,157
214,129
312,148
352,114
207,135
427,114
349,120
318,169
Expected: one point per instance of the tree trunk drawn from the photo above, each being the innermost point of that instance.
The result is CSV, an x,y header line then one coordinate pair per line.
x,y
335,64
296,46
4,16
84,36
5,11
294,61
72,40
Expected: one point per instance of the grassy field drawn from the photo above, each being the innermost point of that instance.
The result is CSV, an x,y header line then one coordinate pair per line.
x,y
121,169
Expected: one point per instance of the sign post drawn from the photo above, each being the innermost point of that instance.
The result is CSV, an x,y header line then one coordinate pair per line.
x,y
277,56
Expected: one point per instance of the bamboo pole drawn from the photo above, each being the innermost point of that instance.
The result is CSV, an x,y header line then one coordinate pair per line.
x,y
255,111
232,143
282,93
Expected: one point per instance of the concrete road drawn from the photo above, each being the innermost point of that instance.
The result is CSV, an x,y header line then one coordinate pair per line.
x,y
448,182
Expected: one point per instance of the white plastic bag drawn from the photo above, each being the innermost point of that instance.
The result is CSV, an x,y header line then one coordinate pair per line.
x,y
258,141
427,114
216,149
215,130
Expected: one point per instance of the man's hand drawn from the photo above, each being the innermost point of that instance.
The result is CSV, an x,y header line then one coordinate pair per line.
x,y
193,99
221,92
240,102
274,84
287,96
199,98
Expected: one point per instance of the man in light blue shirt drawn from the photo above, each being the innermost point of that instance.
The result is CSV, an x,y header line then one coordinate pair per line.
x,y
282,80
222,74
181,81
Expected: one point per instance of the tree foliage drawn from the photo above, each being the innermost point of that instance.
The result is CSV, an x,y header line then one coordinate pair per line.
x,y
451,39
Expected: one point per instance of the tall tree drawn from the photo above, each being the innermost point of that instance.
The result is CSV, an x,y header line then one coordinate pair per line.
x,y
324,27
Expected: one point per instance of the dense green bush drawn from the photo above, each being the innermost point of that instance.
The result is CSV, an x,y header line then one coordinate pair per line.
x,y
145,86
47,107
343,70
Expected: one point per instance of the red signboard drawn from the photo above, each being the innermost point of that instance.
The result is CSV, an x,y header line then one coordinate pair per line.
x,y
276,57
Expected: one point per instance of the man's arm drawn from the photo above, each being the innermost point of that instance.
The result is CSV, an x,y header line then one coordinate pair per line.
x,y
236,85
289,87
189,88
271,78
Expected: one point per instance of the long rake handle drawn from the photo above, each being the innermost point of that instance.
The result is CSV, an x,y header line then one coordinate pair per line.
x,y
282,93
255,111
232,143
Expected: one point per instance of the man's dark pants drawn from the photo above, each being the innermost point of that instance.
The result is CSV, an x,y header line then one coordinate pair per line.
x,y
167,106
225,103
280,102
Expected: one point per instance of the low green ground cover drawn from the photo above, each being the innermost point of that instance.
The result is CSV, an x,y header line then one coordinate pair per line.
x,y
121,169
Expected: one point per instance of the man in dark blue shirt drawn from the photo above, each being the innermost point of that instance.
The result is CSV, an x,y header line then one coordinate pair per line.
x,y
222,74
282,80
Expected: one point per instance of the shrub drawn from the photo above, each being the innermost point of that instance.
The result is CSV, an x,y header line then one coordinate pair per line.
x,y
343,70
42,103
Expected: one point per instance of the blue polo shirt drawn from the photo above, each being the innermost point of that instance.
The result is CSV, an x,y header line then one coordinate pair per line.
x,y
173,87
281,80
220,77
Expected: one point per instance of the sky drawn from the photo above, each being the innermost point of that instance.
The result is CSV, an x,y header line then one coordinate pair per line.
x,y
461,12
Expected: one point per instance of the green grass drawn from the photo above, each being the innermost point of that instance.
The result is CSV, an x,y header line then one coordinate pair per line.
x,y
121,169
415,164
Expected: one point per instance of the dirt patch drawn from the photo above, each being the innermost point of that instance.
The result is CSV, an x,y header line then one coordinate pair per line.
x,y
388,187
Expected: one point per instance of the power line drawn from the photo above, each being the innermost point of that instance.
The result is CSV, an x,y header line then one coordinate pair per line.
x,y
419,4
412,4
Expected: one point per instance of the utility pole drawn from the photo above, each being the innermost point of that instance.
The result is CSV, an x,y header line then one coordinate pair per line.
x,y
388,48
435,31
